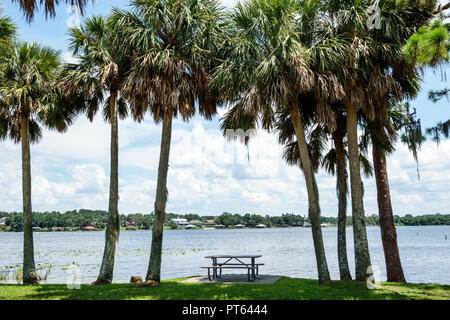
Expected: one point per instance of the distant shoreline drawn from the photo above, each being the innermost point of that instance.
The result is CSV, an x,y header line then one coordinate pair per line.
x,y
246,228
97,220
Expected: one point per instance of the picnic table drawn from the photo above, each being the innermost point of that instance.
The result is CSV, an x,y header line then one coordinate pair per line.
x,y
233,262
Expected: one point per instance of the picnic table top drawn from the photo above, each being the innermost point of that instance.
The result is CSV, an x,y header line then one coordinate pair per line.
x,y
235,256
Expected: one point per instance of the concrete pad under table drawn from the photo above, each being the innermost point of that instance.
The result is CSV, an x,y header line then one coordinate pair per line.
x,y
235,278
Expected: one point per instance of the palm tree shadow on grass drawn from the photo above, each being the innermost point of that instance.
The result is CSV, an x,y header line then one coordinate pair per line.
x,y
284,289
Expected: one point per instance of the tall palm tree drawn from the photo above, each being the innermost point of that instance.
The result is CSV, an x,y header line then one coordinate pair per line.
x,y
383,128
174,46
350,19
401,79
383,135
29,98
377,79
29,7
97,80
338,164
273,68
334,161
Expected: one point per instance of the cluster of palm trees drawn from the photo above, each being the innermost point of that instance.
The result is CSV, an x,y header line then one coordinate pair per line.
x,y
312,71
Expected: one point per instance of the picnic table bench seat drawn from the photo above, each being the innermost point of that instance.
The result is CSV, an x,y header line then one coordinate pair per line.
x,y
249,268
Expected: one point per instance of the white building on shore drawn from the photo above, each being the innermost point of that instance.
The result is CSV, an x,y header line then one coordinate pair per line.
x,y
182,223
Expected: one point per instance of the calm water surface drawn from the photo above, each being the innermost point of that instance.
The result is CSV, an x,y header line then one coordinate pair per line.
x,y
424,252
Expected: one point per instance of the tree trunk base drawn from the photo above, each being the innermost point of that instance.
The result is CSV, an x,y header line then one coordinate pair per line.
x,y
31,280
100,282
150,284
400,280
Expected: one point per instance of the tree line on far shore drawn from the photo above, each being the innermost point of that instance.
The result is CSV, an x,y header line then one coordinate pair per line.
x,y
76,220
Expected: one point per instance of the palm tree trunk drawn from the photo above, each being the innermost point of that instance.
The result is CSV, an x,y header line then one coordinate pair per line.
x,y
394,268
313,196
362,255
154,268
342,191
113,227
29,269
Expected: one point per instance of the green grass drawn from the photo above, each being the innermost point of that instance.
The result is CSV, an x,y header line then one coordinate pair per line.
x,y
285,288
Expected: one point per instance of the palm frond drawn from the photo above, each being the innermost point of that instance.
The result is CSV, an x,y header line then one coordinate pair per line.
x,y
30,7
173,46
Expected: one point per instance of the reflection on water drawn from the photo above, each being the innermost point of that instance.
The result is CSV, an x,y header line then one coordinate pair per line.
x,y
424,252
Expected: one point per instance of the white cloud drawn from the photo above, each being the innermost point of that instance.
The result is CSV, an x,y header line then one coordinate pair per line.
x,y
69,58
91,178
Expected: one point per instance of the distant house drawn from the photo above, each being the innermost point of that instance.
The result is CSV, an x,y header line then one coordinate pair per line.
x,y
89,228
180,222
3,221
195,222
208,223
190,226
131,226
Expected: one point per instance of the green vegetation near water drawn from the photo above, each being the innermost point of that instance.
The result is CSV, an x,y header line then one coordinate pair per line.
x,y
285,288
76,220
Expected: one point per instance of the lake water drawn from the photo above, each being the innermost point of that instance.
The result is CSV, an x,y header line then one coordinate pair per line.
x,y
425,253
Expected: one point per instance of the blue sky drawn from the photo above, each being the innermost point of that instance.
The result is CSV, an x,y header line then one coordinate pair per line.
x,y
207,174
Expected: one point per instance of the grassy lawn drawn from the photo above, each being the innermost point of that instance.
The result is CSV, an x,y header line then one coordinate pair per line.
x,y
285,288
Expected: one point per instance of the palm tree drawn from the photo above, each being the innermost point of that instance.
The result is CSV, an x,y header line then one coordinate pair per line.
x,y
383,135
29,99
381,76
100,70
29,7
350,20
402,80
173,46
367,86
340,167
274,66
383,128
334,162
